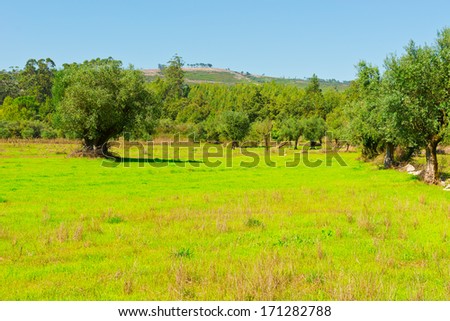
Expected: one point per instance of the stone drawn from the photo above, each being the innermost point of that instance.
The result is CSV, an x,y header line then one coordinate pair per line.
x,y
409,168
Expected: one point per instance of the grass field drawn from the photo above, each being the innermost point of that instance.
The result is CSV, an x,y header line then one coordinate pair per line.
x,y
72,229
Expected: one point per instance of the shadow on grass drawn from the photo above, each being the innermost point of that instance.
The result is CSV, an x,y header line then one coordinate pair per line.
x,y
153,160
156,162
445,175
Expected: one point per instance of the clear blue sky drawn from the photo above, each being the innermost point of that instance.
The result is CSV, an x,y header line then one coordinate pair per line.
x,y
278,38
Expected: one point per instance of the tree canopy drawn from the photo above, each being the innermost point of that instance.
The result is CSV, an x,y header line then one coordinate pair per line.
x,y
406,107
418,97
98,100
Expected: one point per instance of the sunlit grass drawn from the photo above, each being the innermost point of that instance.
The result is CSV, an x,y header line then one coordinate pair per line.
x,y
71,229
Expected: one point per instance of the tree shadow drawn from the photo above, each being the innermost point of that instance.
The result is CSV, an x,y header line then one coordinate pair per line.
x,y
153,160
113,162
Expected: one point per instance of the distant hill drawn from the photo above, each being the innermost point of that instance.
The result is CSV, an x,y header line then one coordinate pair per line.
x,y
229,77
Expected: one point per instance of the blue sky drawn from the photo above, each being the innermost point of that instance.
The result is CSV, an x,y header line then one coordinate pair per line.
x,y
278,38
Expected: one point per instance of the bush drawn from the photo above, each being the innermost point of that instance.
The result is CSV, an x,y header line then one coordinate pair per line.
x,y
314,129
4,133
166,126
27,132
235,125
31,129
211,129
185,128
4,130
10,129
49,133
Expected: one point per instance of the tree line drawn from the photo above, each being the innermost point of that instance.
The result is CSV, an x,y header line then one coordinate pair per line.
x,y
397,113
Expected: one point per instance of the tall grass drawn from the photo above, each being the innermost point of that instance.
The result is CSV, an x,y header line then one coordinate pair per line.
x,y
71,229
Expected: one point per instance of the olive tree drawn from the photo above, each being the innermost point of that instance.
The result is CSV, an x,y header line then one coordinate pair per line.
x,y
235,126
264,129
98,100
418,87
314,129
291,129
363,110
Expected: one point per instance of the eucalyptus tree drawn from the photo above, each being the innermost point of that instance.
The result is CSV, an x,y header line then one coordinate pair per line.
x,y
36,79
313,101
9,84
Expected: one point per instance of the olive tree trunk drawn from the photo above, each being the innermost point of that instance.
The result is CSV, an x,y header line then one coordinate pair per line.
x,y
389,157
431,169
296,142
95,148
267,141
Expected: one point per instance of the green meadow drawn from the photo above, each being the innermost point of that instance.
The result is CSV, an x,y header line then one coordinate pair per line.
x,y
75,229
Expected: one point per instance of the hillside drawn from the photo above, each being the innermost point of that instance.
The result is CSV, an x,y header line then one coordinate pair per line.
x,y
229,77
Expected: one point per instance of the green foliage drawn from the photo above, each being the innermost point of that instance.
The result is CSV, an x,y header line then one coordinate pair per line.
x,y
184,253
196,109
24,129
291,129
337,124
9,129
235,125
27,132
49,133
418,89
259,102
253,222
313,102
263,130
98,100
20,108
170,91
166,126
174,79
4,129
364,110
252,103
314,128
115,219
332,99
36,79
313,85
212,129
9,84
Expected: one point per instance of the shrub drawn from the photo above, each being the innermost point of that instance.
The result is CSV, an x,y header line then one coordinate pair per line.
x,y
49,133
166,126
4,130
27,132
31,129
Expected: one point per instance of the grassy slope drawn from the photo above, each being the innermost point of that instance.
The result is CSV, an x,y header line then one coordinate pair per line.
x,y
231,78
71,229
